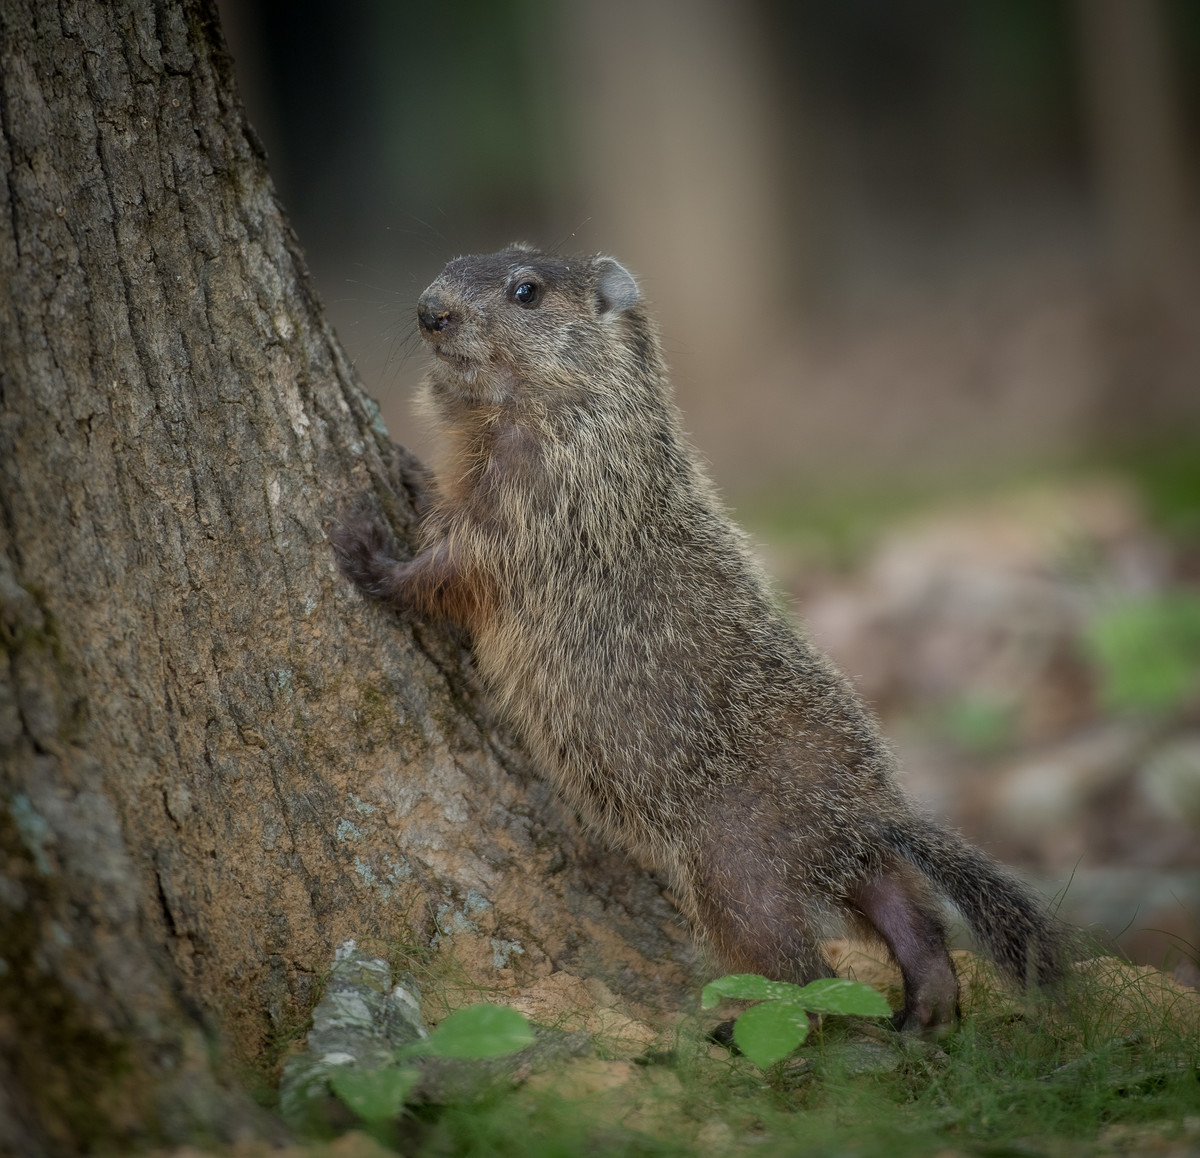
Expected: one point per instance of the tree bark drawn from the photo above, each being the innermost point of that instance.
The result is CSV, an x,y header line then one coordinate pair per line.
x,y
217,760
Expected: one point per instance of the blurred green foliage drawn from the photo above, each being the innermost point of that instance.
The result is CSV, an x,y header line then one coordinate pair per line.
x,y
1148,652
981,726
376,1096
1169,481
472,118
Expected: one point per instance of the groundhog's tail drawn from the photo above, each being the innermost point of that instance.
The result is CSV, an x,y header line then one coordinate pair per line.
x,y
1010,921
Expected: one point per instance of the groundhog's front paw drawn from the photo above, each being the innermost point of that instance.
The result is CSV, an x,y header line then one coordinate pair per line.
x,y
362,546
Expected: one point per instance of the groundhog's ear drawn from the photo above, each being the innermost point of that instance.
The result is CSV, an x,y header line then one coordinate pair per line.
x,y
616,290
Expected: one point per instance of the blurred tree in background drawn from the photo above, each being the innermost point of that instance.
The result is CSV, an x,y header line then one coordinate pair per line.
x,y
966,230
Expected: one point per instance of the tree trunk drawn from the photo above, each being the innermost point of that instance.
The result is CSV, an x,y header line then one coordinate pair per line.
x,y
1134,121
217,761
1148,333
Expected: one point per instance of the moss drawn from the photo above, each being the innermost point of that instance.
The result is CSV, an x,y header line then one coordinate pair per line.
x,y
283,1035
383,721
24,634
375,707
77,1078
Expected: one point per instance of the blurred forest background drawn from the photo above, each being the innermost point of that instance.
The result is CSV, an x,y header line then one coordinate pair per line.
x,y
927,278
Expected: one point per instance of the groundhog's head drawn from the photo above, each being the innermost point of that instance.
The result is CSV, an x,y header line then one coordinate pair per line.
x,y
521,325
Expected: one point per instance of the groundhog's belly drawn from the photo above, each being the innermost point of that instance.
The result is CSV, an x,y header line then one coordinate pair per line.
x,y
629,731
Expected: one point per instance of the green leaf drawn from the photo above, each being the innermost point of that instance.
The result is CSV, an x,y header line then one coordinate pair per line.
x,y
374,1095
770,1031
838,995
480,1031
825,995
746,987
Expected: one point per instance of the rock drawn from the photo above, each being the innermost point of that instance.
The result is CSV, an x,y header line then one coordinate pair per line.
x,y
363,1023
1169,780
573,1003
1037,802
982,609
361,1020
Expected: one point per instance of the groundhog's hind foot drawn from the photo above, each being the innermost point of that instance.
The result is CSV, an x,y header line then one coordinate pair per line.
x,y
897,906
931,1007
930,1019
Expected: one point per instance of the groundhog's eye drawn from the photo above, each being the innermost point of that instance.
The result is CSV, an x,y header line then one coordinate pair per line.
x,y
528,293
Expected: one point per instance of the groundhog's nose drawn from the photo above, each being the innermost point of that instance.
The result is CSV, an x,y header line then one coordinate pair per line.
x,y
434,315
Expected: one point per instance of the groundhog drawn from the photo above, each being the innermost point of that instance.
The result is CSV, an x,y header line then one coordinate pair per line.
x,y
621,622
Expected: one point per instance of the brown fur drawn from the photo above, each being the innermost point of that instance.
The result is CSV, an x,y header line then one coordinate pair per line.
x,y
621,622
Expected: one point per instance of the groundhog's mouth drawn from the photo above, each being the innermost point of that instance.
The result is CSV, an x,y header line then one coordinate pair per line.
x,y
458,361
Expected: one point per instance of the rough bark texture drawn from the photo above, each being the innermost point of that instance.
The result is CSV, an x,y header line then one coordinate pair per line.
x,y
217,761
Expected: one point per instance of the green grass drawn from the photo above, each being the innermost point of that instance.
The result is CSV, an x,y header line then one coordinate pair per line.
x,y
988,1090
1105,1064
